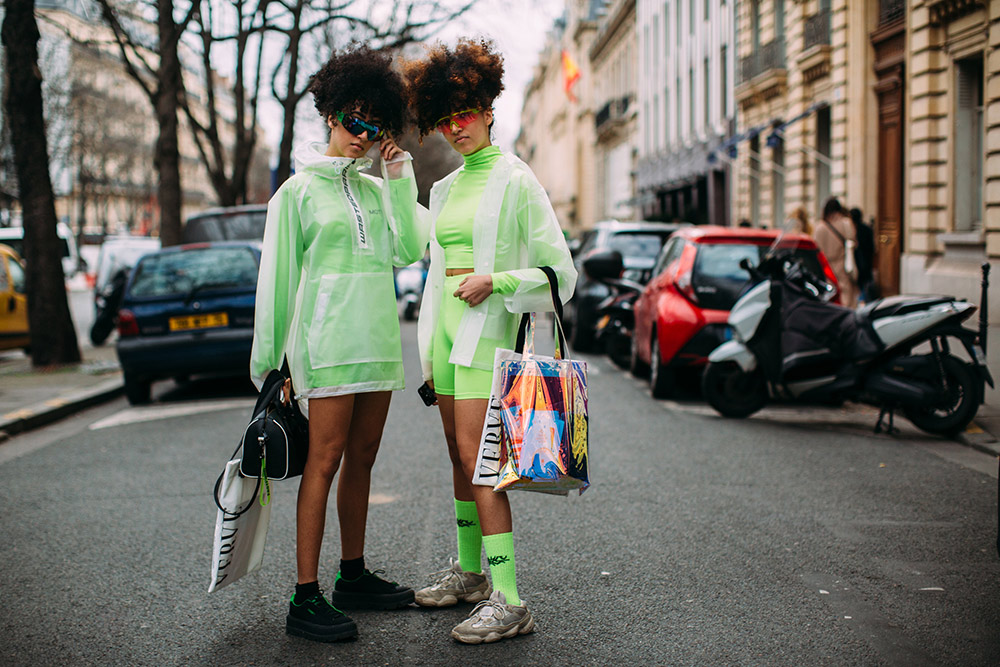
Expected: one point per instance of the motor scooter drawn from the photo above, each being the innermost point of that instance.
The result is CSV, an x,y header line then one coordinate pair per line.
x,y
107,301
790,343
410,287
616,320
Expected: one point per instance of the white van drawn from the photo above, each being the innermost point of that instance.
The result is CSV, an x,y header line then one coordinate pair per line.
x,y
14,237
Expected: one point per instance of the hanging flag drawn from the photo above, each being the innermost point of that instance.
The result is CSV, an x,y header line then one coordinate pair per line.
x,y
570,74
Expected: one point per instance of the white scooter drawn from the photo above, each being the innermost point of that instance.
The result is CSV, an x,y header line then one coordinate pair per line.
x,y
789,343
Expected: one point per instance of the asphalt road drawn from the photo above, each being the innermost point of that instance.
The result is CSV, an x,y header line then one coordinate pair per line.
x,y
796,537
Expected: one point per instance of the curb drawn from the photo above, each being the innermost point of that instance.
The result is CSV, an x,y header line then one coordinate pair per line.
x,y
978,438
58,408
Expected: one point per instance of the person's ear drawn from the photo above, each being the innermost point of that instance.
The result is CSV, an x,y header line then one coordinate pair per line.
x,y
331,122
488,117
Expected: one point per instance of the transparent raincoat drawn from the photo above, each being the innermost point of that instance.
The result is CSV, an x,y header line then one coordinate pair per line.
x,y
514,230
325,296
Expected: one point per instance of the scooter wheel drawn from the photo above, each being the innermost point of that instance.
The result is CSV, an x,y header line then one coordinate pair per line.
x,y
732,391
958,406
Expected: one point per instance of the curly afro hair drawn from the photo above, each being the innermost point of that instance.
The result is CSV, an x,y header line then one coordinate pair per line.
x,y
470,76
359,75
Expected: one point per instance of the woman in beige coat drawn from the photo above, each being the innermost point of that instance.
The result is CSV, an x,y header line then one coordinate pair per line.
x,y
834,234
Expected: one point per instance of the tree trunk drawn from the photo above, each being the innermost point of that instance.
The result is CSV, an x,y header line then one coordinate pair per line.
x,y
167,159
285,149
53,338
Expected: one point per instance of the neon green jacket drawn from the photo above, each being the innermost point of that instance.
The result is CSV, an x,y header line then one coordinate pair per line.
x,y
325,296
514,230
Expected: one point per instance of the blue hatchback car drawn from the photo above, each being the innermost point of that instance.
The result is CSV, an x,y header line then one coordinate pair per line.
x,y
188,310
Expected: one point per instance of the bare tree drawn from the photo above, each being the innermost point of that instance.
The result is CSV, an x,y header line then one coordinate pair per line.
x,y
328,24
53,338
153,61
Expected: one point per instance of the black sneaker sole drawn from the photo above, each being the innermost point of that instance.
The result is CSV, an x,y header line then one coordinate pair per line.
x,y
297,627
348,600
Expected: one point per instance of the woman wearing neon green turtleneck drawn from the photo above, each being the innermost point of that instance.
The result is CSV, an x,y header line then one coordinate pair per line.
x,y
493,226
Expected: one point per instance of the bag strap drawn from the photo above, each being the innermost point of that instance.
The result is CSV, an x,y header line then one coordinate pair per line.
x,y
522,329
834,230
218,484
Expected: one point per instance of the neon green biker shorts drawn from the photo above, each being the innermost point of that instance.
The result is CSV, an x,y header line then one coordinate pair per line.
x,y
459,381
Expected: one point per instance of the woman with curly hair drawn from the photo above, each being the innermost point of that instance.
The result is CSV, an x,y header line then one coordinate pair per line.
x,y
492,227
325,301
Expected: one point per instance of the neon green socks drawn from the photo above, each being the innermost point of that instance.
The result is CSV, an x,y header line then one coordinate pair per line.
x,y
500,554
470,536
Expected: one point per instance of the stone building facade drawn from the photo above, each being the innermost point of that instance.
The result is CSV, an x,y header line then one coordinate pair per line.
x,y
686,107
951,92
614,63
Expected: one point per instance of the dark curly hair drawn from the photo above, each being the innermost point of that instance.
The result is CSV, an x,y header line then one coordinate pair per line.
x,y
359,75
447,80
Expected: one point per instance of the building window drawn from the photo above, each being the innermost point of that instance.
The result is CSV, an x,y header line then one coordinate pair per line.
x,y
779,19
656,122
823,143
755,180
680,110
969,144
691,17
708,102
724,76
668,134
691,98
777,144
755,24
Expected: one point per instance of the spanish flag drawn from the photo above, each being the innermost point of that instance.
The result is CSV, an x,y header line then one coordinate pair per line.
x,y
570,74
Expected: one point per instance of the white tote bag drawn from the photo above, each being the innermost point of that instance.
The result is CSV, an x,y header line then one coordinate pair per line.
x,y
239,535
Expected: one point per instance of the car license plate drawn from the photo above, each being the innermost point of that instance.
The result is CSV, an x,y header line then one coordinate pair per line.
x,y
206,321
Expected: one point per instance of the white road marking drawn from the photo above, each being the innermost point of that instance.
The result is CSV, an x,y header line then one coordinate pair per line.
x,y
154,412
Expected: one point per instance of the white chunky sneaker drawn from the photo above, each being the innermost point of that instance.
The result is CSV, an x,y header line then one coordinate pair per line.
x,y
493,620
453,584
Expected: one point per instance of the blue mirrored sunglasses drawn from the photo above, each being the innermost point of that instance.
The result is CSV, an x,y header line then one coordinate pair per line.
x,y
357,127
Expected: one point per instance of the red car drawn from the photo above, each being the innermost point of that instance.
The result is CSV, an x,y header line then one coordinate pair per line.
x,y
681,315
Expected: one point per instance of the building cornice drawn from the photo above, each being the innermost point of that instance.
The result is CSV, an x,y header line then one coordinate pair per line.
x,y
624,11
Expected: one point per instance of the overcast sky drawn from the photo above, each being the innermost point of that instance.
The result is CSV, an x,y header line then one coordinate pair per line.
x,y
519,28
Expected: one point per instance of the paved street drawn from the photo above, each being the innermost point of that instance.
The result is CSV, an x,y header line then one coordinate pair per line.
x,y
796,537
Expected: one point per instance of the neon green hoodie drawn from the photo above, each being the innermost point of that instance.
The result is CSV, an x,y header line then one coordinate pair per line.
x,y
325,296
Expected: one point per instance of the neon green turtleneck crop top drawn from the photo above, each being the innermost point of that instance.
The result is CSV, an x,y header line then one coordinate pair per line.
x,y
453,227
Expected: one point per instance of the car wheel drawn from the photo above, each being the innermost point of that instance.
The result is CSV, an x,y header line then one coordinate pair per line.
x,y
661,380
136,390
636,366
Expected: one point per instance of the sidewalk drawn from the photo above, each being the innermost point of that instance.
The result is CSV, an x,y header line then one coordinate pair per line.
x,y
30,398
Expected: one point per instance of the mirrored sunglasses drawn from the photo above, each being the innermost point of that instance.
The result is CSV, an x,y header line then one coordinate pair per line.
x,y
357,127
462,119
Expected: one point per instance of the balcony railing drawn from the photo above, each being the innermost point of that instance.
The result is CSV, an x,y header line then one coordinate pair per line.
x,y
767,57
613,110
890,11
817,29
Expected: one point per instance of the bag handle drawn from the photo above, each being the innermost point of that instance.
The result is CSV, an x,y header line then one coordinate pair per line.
x,y
218,483
522,329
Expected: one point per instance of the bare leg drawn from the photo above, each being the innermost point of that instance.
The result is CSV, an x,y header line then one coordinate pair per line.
x,y
462,483
493,508
354,485
329,423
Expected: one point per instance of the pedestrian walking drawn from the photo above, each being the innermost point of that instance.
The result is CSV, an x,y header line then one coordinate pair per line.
x,y
865,255
325,301
836,237
492,226
798,221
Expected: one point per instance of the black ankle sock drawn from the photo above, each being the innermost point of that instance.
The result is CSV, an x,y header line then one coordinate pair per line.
x,y
352,569
303,591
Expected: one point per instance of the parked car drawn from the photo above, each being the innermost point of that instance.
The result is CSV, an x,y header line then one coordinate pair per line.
x,y
681,315
639,244
14,331
188,310
14,237
227,223
115,259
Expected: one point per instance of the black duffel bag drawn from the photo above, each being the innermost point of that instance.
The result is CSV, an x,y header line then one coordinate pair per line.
x,y
276,441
